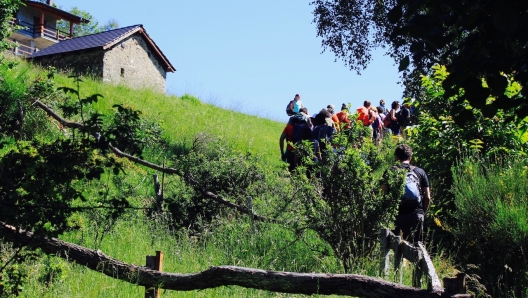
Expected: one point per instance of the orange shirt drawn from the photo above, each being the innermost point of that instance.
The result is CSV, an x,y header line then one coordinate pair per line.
x,y
288,131
343,117
336,121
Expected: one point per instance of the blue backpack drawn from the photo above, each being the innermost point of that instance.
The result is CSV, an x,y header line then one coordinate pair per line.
x,y
412,187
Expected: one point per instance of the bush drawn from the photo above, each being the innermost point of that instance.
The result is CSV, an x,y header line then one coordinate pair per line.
x,y
491,218
340,198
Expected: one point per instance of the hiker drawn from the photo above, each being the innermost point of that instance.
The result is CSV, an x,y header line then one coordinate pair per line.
x,y
342,117
308,136
404,117
292,133
384,129
384,110
327,118
323,133
330,108
416,199
394,126
296,104
366,115
376,126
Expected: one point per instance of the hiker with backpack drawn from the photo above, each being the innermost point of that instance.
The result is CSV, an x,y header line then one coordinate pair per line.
x,y
294,106
292,134
366,114
323,132
393,116
416,198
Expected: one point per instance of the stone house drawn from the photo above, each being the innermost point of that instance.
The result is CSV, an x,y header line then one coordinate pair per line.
x,y
122,56
38,22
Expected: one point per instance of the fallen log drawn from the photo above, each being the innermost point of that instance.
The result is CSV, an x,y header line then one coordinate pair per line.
x,y
285,282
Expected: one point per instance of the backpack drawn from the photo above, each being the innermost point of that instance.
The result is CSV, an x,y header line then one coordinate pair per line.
x,y
324,135
402,119
298,131
398,116
387,121
412,187
364,115
289,111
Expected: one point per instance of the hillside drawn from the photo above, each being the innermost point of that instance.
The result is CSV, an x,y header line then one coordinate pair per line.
x,y
182,118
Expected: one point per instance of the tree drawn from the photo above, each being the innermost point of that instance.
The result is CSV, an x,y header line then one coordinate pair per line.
x,y
7,10
91,27
475,40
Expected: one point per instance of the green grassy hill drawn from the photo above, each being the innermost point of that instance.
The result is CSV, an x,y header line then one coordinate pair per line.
x,y
184,117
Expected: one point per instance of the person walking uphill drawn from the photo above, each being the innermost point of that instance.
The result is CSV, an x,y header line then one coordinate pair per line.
x,y
292,134
416,199
296,104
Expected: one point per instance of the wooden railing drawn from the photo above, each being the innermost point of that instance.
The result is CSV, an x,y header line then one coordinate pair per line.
x,y
423,265
21,49
35,30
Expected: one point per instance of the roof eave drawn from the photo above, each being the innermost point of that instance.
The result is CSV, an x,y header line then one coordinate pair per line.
x,y
58,12
168,66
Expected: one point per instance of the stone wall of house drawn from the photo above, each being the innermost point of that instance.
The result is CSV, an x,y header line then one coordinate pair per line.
x,y
133,63
85,62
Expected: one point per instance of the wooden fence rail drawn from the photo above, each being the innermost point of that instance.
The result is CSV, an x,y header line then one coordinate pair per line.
x,y
275,281
417,254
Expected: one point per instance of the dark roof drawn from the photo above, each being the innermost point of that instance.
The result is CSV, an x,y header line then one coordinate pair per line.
x,y
56,12
103,40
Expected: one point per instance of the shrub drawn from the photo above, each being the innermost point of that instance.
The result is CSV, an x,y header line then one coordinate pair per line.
x,y
491,222
340,198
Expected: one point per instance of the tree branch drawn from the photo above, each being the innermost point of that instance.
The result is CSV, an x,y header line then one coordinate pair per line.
x,y
159,168
285,282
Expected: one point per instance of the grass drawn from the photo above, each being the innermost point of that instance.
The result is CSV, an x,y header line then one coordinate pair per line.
x,y
184,117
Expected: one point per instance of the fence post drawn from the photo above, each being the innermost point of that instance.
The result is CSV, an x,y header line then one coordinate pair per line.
x,y
384,249
158,189
398,255
417,274
154,263
249,202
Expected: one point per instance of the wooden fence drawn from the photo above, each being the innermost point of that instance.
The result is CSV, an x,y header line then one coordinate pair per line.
x,y
423,265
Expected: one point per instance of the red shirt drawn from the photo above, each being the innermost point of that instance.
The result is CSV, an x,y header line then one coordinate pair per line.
x,y
288,131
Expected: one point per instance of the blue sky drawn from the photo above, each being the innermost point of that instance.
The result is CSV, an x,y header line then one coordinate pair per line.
x,y
249,56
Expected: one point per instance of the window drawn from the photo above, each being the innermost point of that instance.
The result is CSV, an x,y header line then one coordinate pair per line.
x,y
122,72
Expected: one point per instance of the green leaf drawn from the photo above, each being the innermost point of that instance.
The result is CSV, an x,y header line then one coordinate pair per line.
x,y
68,90
404,64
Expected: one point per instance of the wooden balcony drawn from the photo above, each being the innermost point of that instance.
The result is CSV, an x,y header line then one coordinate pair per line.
x,y
21,49
40,30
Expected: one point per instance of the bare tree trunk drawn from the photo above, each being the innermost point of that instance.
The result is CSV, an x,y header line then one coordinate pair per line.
x,y
285,282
